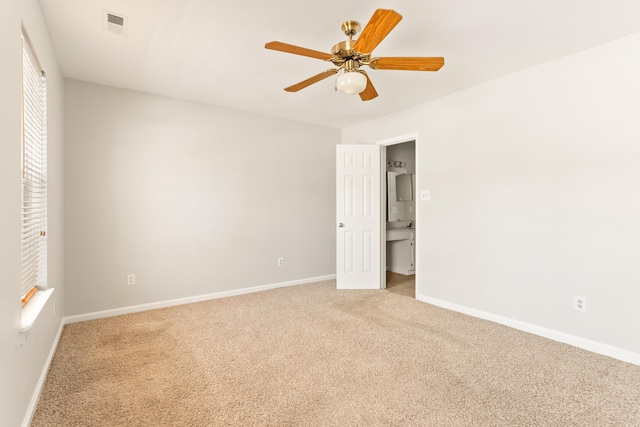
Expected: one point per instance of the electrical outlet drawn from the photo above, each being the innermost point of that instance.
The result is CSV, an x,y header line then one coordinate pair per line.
x,y
579,303
425,195
281,262
131,279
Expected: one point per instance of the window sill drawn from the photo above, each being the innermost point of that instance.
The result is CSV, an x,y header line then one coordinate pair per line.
x,y
31,311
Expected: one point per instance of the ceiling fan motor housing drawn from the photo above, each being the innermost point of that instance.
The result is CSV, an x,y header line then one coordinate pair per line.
x,y
343,52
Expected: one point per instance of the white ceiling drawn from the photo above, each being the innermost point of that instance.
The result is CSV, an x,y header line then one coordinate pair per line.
x,y
212,51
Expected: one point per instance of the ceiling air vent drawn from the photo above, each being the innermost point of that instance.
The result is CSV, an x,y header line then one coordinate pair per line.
x,y
117,24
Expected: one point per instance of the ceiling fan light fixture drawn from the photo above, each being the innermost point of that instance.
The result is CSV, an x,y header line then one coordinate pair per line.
x,y
351,82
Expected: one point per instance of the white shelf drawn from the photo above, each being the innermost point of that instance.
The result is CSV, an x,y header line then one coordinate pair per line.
x,y
31,311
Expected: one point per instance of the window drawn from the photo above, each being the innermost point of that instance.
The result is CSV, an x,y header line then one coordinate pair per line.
x,y
34,174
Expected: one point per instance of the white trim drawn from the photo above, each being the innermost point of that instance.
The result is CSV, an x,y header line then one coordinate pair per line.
x,y
35,397
31,311
413,136
583,343
189,300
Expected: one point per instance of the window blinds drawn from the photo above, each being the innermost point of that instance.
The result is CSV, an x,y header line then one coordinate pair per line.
x,y
34,173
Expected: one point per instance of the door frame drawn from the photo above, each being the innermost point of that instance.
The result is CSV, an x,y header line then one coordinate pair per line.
x,y
414,136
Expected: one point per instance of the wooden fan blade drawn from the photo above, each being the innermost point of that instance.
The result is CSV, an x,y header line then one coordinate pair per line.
x,y
369,92
297,50
378,27
408,63
315,79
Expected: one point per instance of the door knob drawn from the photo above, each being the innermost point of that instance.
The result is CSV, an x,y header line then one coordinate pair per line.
x,y
340,225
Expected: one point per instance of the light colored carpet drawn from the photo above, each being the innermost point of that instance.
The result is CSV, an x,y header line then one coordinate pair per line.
x,y
311,355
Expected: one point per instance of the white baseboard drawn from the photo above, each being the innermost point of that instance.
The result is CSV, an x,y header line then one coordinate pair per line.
x,y
35,398
189,300
585,344
403,271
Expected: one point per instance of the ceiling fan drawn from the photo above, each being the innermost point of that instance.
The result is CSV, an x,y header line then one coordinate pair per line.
x,y
350,55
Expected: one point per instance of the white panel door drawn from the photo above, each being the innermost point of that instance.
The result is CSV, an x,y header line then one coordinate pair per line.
x,y
358,217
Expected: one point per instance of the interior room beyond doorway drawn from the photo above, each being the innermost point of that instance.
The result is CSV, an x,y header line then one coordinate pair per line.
x,y
400,171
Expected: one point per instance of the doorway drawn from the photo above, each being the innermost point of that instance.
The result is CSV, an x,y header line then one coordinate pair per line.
x,y
361,214
399,173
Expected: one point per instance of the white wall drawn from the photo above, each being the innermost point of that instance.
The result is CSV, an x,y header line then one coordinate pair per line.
x,y
191,198
22,365
535,187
